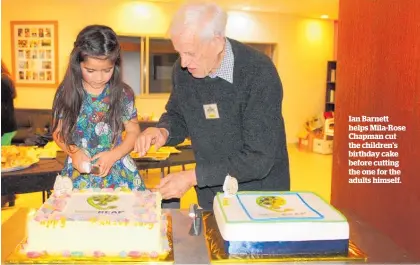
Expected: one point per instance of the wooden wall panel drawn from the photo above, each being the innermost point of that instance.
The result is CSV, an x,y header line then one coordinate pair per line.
x,y
378,74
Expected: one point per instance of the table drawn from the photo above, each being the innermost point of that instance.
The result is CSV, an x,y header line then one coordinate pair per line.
x,y
38,177
41,176
185,157
181,159
192,249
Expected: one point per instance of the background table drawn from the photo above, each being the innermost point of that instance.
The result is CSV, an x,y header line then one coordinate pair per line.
x,y
41,176
38,177
181,159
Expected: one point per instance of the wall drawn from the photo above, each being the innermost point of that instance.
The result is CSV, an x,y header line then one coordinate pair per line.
x,y
303,46
378,74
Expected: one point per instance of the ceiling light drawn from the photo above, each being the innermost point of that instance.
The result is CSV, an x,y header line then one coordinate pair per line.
x,y
246,8
324,16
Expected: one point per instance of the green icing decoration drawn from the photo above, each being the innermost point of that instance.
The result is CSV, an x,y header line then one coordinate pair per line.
x,y
272,203
101,201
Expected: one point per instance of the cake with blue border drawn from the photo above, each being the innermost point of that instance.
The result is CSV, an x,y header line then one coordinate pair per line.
x,y
280,223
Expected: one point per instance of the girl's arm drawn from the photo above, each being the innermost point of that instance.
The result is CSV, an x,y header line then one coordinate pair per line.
x,y
105,160
69,150
132,130
77,156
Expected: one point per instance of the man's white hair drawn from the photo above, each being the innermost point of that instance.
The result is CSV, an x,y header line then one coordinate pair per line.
x,y
205,18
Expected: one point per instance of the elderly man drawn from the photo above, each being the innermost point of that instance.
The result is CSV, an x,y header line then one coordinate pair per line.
x,y
227,97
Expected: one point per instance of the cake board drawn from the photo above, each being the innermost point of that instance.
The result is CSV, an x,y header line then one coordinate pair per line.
x,y
16,257
217,254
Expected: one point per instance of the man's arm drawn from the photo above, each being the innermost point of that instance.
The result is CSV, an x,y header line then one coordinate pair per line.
x,y
263,133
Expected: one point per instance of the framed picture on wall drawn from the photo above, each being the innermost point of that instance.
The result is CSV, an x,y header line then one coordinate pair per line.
x,y
35,53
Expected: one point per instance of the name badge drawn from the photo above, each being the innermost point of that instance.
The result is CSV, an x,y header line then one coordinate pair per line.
x,y
211,111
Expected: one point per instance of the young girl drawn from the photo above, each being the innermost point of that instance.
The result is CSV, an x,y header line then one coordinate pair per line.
x,y
91,109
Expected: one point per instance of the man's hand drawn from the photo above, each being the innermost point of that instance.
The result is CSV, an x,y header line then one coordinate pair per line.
x,y
150,136
77,159
105,162
177,184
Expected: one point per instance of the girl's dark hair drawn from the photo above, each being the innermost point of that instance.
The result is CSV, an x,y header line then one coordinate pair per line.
x,y
8,79
99,42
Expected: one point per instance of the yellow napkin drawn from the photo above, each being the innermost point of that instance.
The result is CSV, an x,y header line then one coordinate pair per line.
x,y
160,154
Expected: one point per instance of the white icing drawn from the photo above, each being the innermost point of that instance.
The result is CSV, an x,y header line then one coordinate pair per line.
x,y
63,185
230,186
294,208
86,236
248,221
122,207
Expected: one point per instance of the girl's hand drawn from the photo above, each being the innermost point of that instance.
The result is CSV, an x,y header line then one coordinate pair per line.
x,y
105,162
78,158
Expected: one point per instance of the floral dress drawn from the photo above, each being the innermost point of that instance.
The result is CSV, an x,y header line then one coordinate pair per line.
x,y
94,136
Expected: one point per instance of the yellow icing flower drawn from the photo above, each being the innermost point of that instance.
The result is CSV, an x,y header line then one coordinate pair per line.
x,y
125,189
101,201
